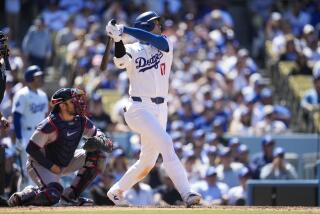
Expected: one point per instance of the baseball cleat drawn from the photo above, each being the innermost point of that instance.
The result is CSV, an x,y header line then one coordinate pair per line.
x,y
192,199
15,200
117,198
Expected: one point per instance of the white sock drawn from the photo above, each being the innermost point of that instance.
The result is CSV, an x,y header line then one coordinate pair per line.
x,y
178,175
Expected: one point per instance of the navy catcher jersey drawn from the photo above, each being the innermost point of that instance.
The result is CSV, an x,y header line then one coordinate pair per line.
x,y
58,139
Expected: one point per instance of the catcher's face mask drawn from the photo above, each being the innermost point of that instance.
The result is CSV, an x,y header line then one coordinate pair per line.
x,y
79,100
77,97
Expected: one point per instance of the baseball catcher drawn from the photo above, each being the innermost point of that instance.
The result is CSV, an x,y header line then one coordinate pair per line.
x,y
53,153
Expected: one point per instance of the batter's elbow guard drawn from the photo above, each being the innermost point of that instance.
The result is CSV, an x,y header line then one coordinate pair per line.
x,y
122,62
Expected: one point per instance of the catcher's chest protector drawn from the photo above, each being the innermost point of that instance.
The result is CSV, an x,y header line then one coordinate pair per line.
x,y
61,151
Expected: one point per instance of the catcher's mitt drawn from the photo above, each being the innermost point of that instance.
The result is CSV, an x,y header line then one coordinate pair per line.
x,y
100,142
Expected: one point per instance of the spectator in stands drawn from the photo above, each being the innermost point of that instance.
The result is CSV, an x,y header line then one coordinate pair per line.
x,y
302,66
205,120
234,144
167,193
140,194
213,140
211,156
212,191
12,10
192,166
37,44
273,26
238,194
12,171
242,126
279,168
186,113
311,98
228,170
308,36
261,159
101,119
188,131
270,124
297,17
154,177
119,163
243,157
64,36
290,53
99,191
217,128
279,41
54,17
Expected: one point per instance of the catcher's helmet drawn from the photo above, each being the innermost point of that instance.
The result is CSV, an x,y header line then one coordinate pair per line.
x,y
145,20
31,72
77,96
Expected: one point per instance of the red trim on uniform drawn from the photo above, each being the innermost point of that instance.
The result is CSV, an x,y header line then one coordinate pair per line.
x,y
54,125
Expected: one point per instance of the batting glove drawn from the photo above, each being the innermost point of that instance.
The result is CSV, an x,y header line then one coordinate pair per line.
x,y
114,31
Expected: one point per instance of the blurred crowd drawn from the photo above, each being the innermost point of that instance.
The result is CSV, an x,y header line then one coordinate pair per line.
x,y
216,86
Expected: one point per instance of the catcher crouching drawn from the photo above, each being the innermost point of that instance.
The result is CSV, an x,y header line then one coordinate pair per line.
x,y
53,153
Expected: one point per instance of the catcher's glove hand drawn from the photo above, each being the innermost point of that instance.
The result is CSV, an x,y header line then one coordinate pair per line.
x,y
100,142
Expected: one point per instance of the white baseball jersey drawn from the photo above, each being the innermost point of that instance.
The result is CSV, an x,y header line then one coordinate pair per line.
x,y
149,72
33,106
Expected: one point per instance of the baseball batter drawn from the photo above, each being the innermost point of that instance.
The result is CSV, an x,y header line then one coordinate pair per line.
x,y
148,63
30,106
53,153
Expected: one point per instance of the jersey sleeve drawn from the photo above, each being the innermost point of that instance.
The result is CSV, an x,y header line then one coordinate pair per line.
x,y
19,103
90,129
44,133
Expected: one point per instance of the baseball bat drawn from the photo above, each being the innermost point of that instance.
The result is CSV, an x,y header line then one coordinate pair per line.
x,y
106,53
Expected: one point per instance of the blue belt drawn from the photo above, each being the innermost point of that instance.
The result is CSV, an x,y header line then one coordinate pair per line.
x,y
156,100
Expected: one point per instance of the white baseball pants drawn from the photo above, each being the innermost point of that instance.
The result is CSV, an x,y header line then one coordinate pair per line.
x,y
149,120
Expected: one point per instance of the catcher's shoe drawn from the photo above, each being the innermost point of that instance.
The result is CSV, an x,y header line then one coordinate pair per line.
x,y
23,197
116,196
81,201
15,200
192,199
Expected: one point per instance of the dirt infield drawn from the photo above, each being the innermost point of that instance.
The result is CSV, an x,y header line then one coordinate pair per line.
x,y
214,209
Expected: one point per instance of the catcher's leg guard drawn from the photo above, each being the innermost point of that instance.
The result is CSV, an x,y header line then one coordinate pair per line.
x,y
93,165
47,196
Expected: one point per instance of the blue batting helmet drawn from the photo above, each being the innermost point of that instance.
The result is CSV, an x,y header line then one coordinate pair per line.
x,y
31,72
145,20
